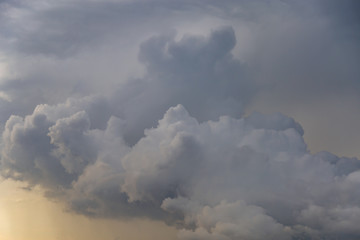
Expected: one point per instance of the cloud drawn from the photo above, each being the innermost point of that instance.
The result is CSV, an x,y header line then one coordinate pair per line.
x,y
233,221
198,72
250,177
172,142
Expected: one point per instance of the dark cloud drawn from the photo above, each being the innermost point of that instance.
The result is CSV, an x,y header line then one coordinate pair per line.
x,y
61,29
345,12
196,71
67,28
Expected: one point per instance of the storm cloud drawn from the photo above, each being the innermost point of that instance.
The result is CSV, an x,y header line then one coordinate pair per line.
x,y
139,109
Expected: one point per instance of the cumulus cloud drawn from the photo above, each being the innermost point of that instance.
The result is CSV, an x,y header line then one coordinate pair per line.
x,y
173,142
235,221
198,72
226,179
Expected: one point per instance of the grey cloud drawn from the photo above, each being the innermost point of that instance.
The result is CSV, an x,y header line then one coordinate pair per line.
x,y
103,145
196,71
345,12
311,53
225,179
267,168
33,146
296,50
190,64
63,28
85,48
72,146
233,221
26,152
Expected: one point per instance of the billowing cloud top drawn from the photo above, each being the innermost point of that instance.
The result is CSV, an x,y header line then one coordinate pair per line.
x,y
128,109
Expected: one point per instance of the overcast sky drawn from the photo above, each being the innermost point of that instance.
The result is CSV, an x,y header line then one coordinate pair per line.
x,y
196,119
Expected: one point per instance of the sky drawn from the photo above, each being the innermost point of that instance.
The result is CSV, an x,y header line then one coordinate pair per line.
x,y
188,120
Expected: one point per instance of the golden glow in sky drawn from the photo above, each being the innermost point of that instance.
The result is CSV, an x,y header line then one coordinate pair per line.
x,y
27,215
